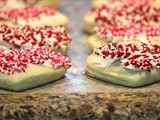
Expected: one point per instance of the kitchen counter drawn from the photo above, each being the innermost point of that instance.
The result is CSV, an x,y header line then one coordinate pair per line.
x,y
77,96
80,106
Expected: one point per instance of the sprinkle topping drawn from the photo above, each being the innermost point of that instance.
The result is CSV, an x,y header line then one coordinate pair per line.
x,y
18,60
130,13
51,37
132,56
126,32
26,14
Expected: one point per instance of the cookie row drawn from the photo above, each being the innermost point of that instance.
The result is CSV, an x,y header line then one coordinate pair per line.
x,y
30,56
31,40
131,65
125,41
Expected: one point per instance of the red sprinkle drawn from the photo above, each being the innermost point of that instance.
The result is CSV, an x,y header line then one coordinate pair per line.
x,y
18,60
51,37
139,56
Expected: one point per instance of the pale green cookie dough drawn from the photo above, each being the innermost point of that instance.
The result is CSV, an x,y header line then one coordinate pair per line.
x,y
95,42
89,22
34,76
61,51
50,3
117,74
98,3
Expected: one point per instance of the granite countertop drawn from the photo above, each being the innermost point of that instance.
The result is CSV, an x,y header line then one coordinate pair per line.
x,y
76,96
80,106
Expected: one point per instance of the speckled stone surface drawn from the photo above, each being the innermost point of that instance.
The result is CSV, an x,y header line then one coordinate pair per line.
x,y
80,106
76,96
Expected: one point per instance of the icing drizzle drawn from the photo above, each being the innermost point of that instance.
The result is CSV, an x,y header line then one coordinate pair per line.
x,y
132,56
18,60
51,37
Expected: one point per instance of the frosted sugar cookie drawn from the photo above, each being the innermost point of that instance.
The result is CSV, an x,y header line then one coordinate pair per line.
x,y
131,65
124,14
31,67
33,16
54,38
149,34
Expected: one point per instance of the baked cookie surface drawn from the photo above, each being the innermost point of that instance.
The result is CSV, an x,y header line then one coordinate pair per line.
x,y
33,16
54,38
28,68
131,65
125,34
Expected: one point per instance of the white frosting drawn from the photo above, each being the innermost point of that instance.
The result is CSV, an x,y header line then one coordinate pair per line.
x,y
106,62
47,63
103,62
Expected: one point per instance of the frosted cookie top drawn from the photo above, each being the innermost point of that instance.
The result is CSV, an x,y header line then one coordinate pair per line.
x,y
28,14
18,60
26,36
142,33
125,14
133,56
